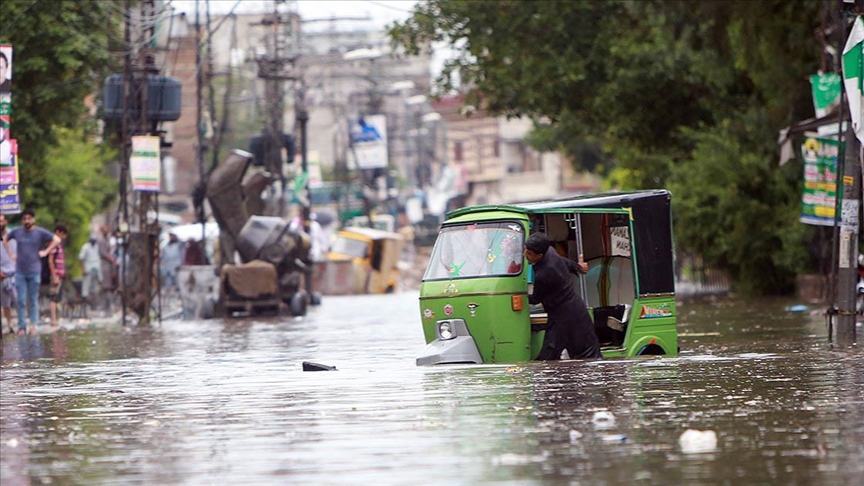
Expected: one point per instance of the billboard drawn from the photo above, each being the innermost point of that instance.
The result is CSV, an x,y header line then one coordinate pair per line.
x,y
10,196
368,142
818,199
145,164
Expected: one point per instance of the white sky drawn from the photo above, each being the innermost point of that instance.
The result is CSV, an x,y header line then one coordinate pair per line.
x,y
381,11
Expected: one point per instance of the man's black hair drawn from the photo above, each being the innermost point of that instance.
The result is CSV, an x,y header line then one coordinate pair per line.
x,y
28,211
538,243
61,227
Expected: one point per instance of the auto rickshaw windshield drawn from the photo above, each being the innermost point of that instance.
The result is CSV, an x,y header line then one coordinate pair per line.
x,y
477,250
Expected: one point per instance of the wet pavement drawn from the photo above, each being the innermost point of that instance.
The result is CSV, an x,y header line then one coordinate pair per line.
x,y
227,402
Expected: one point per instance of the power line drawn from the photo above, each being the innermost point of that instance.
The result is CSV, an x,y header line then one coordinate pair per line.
x,y
391,7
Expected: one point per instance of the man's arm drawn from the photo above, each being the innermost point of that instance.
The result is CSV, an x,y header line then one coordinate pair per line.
x,y
55,241
11,247
579,267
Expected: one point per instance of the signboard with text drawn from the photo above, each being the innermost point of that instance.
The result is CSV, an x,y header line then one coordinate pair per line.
x,y
818,199
145,163
10,196
369,142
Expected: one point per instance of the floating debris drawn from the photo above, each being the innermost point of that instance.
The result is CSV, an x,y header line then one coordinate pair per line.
x,y
698,441
309,366
603,420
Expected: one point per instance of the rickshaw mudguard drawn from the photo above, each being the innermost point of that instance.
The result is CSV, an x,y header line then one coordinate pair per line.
x,y
461,349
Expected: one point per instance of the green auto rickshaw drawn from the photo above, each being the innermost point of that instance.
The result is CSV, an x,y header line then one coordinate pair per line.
x,y
474,294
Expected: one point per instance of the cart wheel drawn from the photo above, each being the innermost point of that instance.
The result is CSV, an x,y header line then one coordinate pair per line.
x,y
299,302
316,298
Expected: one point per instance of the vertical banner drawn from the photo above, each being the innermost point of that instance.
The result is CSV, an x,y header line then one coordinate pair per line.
x,y
10,197
369,142
145,163
820,181
5,79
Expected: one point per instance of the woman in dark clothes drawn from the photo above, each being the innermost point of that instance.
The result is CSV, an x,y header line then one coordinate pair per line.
x,y
569,325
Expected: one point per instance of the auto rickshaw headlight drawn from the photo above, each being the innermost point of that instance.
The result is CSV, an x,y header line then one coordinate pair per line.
x,y
445,330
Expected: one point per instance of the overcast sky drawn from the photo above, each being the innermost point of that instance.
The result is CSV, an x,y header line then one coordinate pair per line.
x,y
382,12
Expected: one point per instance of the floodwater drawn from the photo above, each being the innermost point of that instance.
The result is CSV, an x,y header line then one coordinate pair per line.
x,y
227,402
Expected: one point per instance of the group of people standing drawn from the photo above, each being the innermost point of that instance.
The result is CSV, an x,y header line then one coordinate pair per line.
x,y
99,265
23,271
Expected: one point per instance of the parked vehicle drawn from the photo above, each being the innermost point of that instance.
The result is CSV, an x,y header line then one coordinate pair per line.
x,y
474,295
374,255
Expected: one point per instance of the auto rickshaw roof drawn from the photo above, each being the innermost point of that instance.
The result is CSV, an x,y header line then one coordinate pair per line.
x,y
622,199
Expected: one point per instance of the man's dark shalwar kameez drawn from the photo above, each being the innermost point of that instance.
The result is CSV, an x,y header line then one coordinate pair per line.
x,y
569,325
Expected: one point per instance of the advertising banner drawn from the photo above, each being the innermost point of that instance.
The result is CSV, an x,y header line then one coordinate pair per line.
x,y
369,142
10,197
819,196
5,79
145,163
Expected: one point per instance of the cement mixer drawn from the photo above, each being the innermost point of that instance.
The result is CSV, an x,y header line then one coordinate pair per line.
x,y
264,260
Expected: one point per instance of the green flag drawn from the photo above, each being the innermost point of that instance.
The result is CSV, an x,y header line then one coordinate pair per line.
x,y
826,92
853,74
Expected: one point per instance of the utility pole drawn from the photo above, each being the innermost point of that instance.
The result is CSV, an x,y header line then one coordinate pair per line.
x,y
138,131
847,250
144,244
847,213
271,68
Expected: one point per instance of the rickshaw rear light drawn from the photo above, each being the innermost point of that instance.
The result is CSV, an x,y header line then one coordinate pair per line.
x,y
516,302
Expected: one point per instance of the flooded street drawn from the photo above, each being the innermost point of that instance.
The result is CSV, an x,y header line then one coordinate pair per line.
x,y
227,402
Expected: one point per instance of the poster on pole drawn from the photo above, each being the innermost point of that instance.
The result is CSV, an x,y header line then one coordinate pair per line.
x,y
5,79
369,142
145,163
818,199
10,195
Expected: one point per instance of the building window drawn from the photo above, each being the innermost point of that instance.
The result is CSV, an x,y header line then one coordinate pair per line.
x,y
496,148
457,151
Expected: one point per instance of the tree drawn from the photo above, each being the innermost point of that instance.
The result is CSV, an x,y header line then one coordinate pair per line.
x,y
61,56
677,94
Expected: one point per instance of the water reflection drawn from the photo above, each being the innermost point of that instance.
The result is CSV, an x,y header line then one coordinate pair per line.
x,y
226,401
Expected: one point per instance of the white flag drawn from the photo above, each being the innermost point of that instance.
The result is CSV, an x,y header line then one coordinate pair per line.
x,y
853,73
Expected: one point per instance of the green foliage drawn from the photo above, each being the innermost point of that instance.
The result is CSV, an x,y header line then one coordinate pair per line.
x,y
679,94
61,55
77,188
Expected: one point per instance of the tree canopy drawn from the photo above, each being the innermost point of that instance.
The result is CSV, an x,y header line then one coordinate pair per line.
x,y
677,94
62,52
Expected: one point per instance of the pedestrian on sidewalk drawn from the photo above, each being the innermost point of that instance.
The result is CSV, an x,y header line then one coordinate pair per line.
x,y
28,266
109,265
92,267
170,261
8,295
57,267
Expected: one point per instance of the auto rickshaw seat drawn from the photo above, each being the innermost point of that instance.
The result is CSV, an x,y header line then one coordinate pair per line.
x,y
607,335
